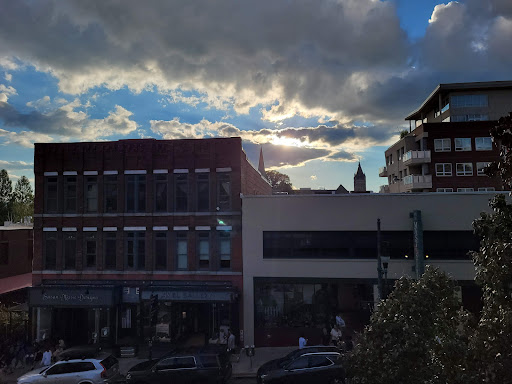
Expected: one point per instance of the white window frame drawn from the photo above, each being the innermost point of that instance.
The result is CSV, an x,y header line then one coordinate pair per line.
x,y
478,168
465,171
486,189
460,147
465,190
443,147
482,145
444,171
444,190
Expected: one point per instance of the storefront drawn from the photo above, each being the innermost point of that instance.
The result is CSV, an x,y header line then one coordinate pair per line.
x,y
285,308
76,314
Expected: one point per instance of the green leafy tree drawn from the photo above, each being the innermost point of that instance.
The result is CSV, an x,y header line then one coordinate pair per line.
x,y
279,181
418,335
22,200
5,196
403,133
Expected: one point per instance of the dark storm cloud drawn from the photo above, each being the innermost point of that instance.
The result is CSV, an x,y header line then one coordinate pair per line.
x,y
342,156
277,156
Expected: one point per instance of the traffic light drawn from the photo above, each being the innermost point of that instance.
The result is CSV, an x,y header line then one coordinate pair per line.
x,y
153,311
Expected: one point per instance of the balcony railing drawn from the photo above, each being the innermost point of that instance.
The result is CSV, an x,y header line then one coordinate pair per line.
x,y
383,171
384,189
417,182
416,157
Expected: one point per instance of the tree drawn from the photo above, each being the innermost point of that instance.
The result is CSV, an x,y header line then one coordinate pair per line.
x,y
5,196
417,335
22,200
502,136
279,181
403,133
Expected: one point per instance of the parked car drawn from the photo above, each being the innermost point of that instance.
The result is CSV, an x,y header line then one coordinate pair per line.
x,y
307,365
101,370
193,365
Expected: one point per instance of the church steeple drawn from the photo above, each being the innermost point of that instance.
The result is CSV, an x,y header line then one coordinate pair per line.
x,y
359,180
261,164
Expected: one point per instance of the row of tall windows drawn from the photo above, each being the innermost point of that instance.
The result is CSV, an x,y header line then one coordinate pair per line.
x,y
465,101
136,193
481,189
462,144
213,250
461,169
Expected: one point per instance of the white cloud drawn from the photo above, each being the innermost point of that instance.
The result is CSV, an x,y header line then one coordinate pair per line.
x,y
23,138
6,92
313,177
8,77
16,165
41,104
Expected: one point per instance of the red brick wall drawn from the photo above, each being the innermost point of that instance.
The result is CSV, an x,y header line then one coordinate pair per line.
x,y
461,130
19,243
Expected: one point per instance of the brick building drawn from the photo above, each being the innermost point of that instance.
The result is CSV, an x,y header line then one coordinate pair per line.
x,y
117,223
451,144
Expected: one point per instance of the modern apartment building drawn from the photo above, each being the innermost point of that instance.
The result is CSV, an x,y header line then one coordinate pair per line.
x,y
137,238
450,144
307,258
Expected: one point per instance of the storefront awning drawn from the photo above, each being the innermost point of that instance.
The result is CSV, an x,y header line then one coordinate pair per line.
x,y
14,283
72,296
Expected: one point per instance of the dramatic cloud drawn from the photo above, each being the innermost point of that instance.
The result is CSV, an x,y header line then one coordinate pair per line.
x,y
16,165
67,121
5,92
24,138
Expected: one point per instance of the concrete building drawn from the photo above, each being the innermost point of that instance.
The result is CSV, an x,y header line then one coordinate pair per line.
x,y
449,144
117,223
308,257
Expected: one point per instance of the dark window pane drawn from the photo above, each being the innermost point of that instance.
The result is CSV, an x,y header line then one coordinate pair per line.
x,y
70,194
160,250
136,193
90,250
161,193
204,250
181,192
69,251
110,188
50,251
203,192
110,250
225,249
182,250
135,250
51,195
224,191
91,194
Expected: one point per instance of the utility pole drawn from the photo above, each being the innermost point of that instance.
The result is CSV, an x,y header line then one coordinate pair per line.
x,y
379,261
417,230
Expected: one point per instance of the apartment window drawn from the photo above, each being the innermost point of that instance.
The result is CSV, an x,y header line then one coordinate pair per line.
x,y
225,249
4,253
465,190
469,117
181,192
464,169
135,250
486,189
442,145
443,169
69,250
463,101
463,144
480,168
110,249
91,194
400,173
483,143
444,190
181,250
160,192
160,250
204,250
50,250
398,155
70,194
110,191
51,194
90,250
135,193
224,191
203,191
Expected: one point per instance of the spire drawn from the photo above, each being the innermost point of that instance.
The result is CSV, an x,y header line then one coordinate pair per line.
x,y
261,164
359,174
359,180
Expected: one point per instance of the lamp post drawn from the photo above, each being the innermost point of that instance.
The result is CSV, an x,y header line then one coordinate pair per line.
x,y
385,264
379,261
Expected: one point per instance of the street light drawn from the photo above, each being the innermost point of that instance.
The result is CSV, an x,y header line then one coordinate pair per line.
x,y
385,264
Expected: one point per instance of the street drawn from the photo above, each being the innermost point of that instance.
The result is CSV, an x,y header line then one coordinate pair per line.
x,y
249,380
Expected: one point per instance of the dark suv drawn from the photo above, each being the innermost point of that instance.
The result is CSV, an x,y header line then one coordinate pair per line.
x,y
307,365
204,365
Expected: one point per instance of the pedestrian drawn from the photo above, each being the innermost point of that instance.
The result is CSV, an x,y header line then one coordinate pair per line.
x,y
231,341
302,341
47,357
335,335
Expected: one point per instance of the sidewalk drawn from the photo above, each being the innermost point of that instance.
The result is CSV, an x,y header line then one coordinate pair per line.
x,y
241,369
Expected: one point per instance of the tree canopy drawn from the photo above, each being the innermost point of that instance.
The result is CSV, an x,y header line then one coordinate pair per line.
x,y
279,181
18,204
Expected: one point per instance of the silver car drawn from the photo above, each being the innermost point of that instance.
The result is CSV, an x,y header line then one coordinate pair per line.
x,y
76,371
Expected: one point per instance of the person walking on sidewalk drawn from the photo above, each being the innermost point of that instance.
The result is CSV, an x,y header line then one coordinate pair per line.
x,y
231,341
335,335
302,341
47,357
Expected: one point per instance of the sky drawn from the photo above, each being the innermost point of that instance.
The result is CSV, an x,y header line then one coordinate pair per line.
x,y
319,85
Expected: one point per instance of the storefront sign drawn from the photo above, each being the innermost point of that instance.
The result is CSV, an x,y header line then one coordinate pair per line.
x,y
71,297
190,295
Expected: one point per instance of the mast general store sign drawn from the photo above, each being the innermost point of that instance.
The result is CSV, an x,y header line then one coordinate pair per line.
x,y
70,297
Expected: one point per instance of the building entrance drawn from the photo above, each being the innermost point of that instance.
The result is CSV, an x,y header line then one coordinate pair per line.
x,y
70,325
